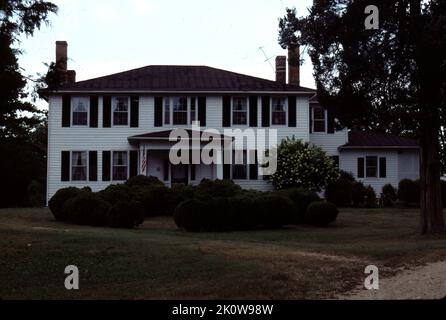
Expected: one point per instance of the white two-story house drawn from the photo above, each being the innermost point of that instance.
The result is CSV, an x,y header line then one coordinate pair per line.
x,y
103,131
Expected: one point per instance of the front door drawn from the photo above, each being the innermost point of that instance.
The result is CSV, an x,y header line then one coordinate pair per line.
x,y
180,174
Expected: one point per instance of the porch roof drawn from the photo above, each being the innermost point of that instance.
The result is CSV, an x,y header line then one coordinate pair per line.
x,y
165,135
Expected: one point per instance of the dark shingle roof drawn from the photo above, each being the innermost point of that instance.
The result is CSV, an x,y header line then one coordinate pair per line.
x,y
358,139
180,78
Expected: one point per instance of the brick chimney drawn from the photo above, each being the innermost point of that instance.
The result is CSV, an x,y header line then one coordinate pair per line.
x,y
294,65
69,76
281,69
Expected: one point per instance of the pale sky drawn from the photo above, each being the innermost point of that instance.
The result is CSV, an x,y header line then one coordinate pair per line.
x,y
109,36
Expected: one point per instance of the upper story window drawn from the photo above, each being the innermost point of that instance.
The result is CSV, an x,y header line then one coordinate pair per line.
x,y
79,166
179,111
121,111
80,111
239,111
120,165
319,119
278,111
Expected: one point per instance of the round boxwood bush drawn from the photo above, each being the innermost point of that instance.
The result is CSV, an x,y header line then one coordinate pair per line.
x,y
245,210
389,195
217,188
57,202
276,210
340,191
321,213
87,208
154,199
143,181
178,193
126,214
116,192
190,215
301,200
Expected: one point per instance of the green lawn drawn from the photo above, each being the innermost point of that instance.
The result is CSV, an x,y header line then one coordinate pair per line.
x,y
157,261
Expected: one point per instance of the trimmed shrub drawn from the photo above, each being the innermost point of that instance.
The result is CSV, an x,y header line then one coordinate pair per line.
x,y
126,214
86,208
321,213
190,215
245,210
389,195
370,199
276,210
179,193
154,199
409,191
116,193
341,192
301,200
143,181
57,202
217,188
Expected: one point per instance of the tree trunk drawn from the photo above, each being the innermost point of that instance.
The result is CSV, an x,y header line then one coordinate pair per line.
x,y
432,220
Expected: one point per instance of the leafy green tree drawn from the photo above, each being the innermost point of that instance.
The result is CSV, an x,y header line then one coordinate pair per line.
x,y
391,78
22,125
300,164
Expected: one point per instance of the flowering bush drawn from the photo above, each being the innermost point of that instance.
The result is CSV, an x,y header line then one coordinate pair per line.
x,y
300,164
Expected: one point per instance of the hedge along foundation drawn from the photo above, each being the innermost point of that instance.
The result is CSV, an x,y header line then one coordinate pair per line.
x,y
260,145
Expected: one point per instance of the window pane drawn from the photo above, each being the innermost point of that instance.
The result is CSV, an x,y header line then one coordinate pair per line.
x,y
166,110
80,111
79,166
239,111
371,167
120,165
319,126
319,119
180,111
120,111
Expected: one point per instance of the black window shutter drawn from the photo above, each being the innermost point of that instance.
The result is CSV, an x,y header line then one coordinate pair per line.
x,y
166,170
311,119
134,112
94,111
133,163
226,111
93,165
66,111
292,111
65,165
202,111
226,171
253,167
265,111
253,111
106,112
360,167
382,167
193,172
330,121
106,163
158,111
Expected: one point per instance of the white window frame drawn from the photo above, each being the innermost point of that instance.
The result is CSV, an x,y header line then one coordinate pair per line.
x,y
113,111
232,111
313,120
189,111
73,102
286,112
378,166
113,165
86,166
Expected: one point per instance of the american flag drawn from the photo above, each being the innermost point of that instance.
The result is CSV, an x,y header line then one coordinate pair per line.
x,y
144,161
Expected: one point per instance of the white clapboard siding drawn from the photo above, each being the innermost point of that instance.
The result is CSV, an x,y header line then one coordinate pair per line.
x,y
330,142
348,161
